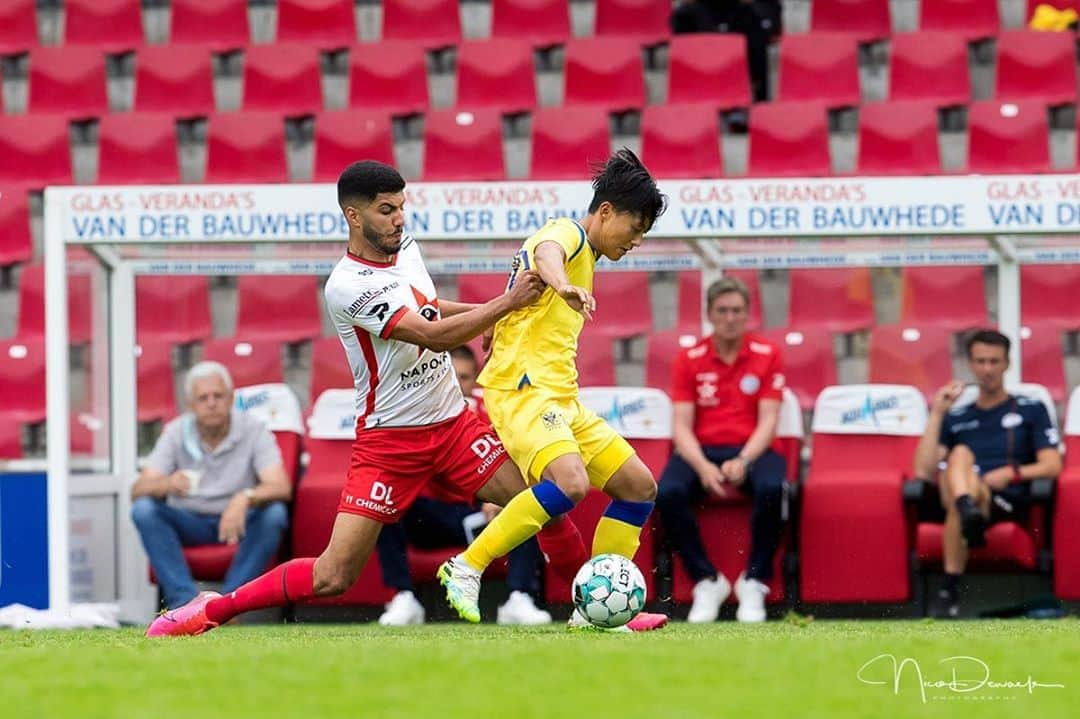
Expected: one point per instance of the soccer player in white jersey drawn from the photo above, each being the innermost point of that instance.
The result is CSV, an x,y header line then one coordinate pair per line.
x,y
412,425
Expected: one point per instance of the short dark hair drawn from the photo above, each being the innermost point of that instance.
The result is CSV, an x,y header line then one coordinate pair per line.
x,y
365,179
987,337
627,185
464,352
724,286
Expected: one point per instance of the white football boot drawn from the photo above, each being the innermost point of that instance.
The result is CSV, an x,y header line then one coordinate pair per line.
x,y
709,596
751,594
404,609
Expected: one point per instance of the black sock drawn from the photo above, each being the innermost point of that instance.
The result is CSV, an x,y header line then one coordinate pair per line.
x,y
964,504
951,586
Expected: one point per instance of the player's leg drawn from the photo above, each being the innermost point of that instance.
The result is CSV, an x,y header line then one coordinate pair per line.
x,y
971,498
765,483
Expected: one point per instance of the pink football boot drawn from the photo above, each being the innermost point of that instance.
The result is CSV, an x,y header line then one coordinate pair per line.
x,y
187,620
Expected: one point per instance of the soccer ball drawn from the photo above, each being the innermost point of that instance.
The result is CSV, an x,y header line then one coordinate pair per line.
x,y
609,590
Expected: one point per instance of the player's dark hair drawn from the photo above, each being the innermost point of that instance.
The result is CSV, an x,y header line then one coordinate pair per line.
x,y
987,337
627,185
465,352
365,179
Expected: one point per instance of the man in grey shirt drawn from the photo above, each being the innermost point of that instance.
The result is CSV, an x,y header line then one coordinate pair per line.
x,y
214,476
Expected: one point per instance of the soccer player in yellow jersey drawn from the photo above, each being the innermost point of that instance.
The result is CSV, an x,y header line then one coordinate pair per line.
x,y
531,391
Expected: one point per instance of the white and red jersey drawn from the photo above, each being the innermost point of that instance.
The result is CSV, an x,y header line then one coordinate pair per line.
x,y
397,384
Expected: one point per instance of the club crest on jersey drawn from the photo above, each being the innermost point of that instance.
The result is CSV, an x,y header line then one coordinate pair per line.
x,y
551,419
426,307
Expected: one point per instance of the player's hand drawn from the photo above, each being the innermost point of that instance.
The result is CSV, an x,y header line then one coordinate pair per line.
x,y
177,483
945,396
490,510
579,299
527,289
734,470
998,478
233,520
712,479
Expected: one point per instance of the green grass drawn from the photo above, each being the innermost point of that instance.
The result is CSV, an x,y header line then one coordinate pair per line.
x,y
782,669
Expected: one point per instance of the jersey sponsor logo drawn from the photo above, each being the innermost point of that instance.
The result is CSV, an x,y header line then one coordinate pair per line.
x,y
380,311
370,505
367,296
1011,419
426,372
1052,436
869,409
964,426
488,448
749,384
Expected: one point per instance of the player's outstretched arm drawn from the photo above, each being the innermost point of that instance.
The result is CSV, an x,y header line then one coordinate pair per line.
x,y
445,334
551,264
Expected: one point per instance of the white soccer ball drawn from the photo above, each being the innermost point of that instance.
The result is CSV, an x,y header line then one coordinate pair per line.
x,y
609,590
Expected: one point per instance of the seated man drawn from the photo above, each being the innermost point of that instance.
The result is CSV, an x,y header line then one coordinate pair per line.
x,y
215,475
989,449
433,523
726,391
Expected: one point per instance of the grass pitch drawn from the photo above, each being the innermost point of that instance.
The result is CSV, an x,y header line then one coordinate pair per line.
x,y
781,669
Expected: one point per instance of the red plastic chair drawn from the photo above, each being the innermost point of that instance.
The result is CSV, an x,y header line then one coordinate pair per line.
x,y
1038,66
479,287
644,20
434,23
31,324
566,139
249,362
604,71
174,78
325,24
10,437
819,66
709,68
1043,358
111,25
975,19
1066,525
463,146
915,56
22,380
156,388
953,298
246,147
1048,295
329,367
1007,137
282,78
898,138
691,302
18,27
660,351
35,150
172,310
789,139
615,316
137,148
833,299
595,359
68,80
495,74
344,136
681,141
388,76
16,244
285,310
808,361
918,356
218,24
541,22
867,20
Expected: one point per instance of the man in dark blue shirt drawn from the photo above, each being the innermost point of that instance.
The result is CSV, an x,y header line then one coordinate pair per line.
x,y
990,450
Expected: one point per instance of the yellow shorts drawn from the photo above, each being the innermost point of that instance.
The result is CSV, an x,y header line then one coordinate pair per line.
x,y
536,427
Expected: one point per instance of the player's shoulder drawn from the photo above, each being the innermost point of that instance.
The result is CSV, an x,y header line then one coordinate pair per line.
x,y
564,230
761,346
698,350
1030,406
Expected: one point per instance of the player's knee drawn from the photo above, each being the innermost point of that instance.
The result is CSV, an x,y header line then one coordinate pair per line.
x,y
144,511
960,455
575,487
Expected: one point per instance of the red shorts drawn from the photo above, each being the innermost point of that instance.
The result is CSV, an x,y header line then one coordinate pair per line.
x,y
391,467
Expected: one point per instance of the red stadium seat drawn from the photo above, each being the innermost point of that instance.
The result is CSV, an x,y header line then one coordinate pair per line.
x,y
1039,66
660,351
68,80
644,20
22,380
137,148
18,27
329,367
788,139
495,74
16,244
156,388
174,78
31,325
833,299
614,316
35,150
463,146
249,362
898,138
246,147
344,136
709,68
1042,358
479,287
282,78
541,22
566,139
1008,546
434,23
1049,296
691,302
388,76
867,20
808,361
914,56
111,25
1006,137
285,310
819,66
10,436
325,24
604,71
917,356
218,24
681,141
595,359
953,298
173,309
975,19
1066,526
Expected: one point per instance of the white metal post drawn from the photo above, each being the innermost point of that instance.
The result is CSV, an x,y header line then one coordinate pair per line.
x,y
1009,303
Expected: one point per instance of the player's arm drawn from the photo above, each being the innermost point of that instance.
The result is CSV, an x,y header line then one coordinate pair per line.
x,y
764,431
930,451
273,486
157,484
449,308
550,260
689,448
449,332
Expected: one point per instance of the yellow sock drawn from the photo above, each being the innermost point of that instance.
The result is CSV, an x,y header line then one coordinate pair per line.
x,y
521,518
616,537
